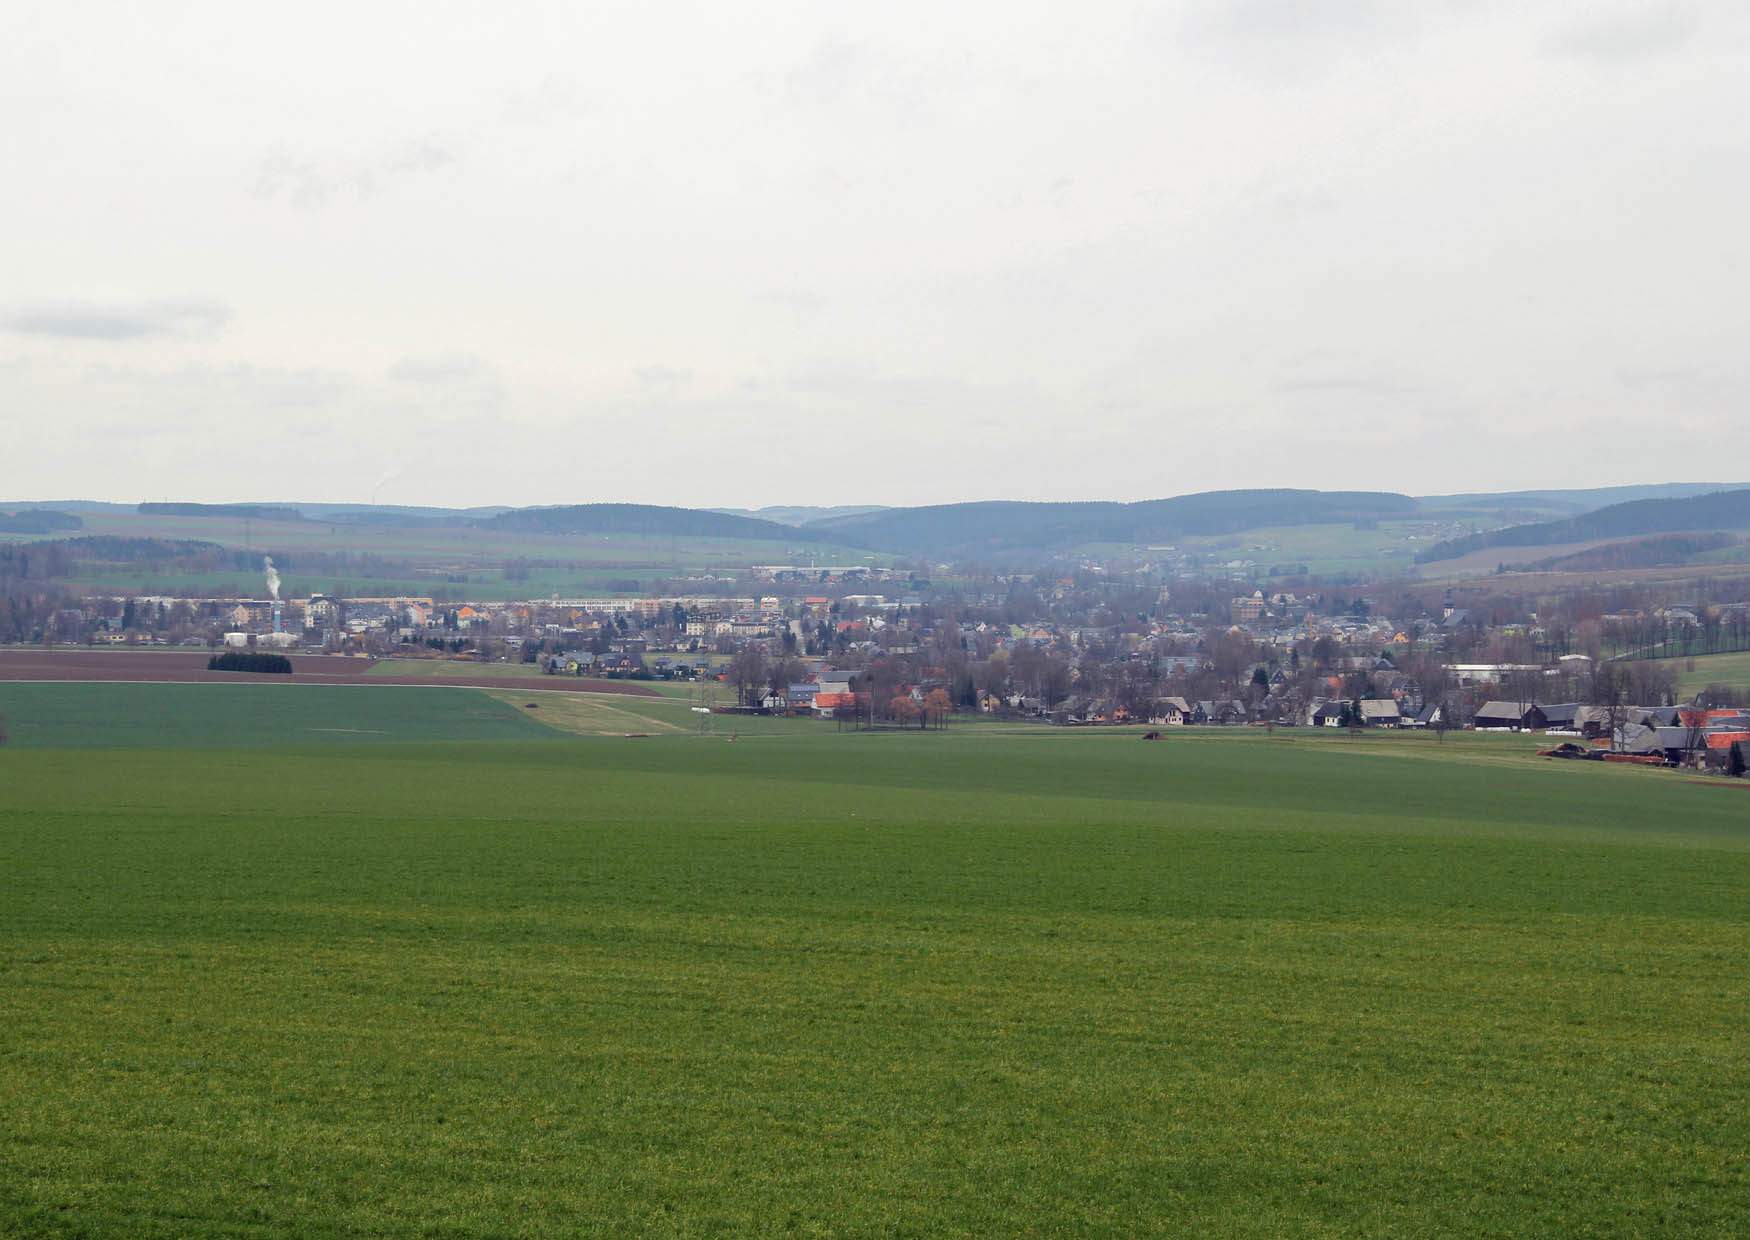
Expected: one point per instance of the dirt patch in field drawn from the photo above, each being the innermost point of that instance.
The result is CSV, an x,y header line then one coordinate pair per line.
x,y
182,667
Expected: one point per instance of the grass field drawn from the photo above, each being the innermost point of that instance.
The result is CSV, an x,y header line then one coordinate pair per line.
x,y
970,982
1699,671
611,714
51,715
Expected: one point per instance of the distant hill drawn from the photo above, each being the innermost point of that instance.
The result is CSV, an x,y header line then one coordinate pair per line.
x,y
649,519
1656,551
1000,526
801,514
1719,510
38,521
253,512
386,514
1572,502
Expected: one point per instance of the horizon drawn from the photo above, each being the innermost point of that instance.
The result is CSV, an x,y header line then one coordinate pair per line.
x,y
757,508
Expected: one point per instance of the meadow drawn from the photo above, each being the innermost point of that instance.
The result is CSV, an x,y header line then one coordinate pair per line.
x,y
981,981
122,715
1697,672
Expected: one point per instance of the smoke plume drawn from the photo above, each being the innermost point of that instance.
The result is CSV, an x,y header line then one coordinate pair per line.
x,y
273,578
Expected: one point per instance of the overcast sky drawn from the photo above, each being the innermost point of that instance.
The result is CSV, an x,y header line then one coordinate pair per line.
x,y
799,253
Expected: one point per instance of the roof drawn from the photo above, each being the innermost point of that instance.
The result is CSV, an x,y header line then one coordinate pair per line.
x,y
1506,710
1379,708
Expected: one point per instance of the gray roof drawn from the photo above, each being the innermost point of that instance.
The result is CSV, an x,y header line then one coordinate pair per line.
x,y
1506,710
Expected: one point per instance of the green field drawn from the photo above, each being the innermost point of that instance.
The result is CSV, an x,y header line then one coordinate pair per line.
x,y
1699,671
976,982
176,716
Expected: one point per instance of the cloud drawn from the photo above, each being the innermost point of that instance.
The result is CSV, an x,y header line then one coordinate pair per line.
x,y
800,300
556,97
1343,384
442,369
1625,32
1276,21
90,320
312,180
446,385
663,376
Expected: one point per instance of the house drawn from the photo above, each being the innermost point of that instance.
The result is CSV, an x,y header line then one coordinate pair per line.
x,y
826,705
802,696
1431,716
1513,716
1329,714
835,682
1719,744
1073,709
1221,711
1175,710
1380,713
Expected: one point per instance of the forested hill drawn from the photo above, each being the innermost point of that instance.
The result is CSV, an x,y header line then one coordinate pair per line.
x,y
254,512
996,526
650,519
38,521
1721,510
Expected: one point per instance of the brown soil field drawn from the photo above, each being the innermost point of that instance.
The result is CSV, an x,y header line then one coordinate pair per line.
x,y
178,666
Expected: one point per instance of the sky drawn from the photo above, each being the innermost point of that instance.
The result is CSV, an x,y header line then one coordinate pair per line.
x,y
772,253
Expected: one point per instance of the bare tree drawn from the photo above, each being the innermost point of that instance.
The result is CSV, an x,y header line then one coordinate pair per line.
x,y
747,672
1609,689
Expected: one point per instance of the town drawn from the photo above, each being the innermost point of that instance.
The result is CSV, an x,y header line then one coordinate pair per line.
x,y
1081,644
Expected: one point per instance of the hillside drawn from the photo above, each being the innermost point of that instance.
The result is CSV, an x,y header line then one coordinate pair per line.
x,y
999,526
254,512
38,521
1567,503
650,519
1719,510
1657,551
801,514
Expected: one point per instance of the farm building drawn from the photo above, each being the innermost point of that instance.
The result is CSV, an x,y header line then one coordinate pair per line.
x,y
1516,716
1561,716
1431,716
1173,710
1380,713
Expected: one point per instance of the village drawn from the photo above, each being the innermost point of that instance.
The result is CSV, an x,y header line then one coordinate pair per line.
x,y
1074,647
